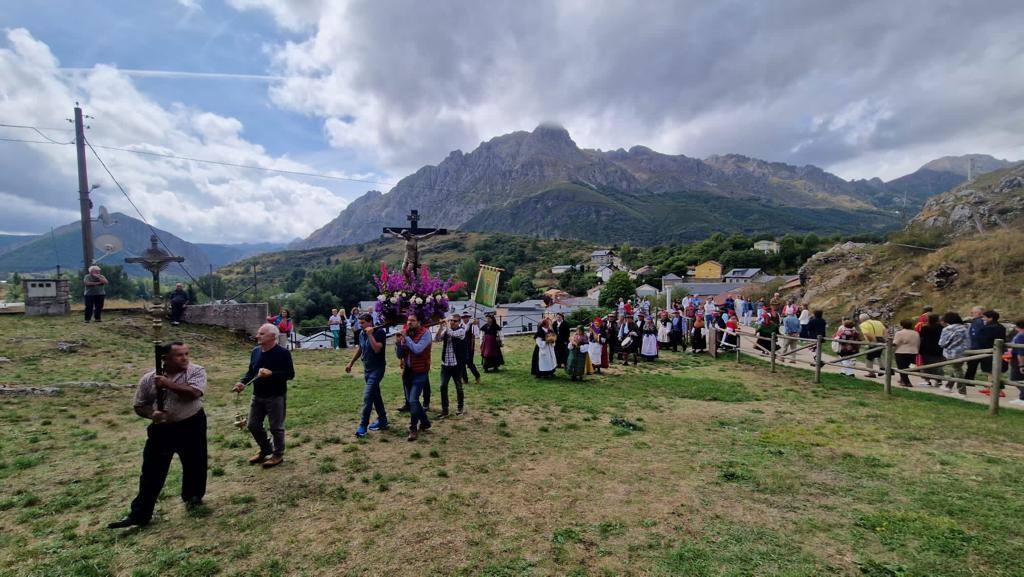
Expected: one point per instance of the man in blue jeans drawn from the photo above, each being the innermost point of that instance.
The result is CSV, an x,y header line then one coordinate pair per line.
x,y
413,347
371,348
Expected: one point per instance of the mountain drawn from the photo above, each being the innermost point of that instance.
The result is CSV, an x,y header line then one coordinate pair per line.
x,y
965,248
933,178
10,242
64,246
991,201
224,254
542,183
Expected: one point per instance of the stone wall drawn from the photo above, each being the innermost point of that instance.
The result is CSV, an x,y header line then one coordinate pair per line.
x,y
247,316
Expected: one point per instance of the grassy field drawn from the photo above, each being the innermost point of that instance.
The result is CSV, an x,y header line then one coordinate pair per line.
x,y
714,470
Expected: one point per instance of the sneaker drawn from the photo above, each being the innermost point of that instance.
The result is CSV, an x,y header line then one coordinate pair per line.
x,y
361,431
442,415
871,375
413,435
128,521
403,409
378,426
462,410
193,504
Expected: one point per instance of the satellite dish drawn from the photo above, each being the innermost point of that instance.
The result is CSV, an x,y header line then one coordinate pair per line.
x,y
105,217
108,243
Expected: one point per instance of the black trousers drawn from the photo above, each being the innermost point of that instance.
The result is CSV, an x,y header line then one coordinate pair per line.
x,y
903,362
186,438
469,363
454,374
94,306
972,367
177,309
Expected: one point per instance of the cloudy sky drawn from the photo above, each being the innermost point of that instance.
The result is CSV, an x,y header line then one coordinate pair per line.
x,y
371,90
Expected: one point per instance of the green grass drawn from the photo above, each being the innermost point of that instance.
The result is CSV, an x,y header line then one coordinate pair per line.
x,y
686,466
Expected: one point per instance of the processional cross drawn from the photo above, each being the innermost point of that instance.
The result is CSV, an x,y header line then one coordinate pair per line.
x,y
412,236
154,259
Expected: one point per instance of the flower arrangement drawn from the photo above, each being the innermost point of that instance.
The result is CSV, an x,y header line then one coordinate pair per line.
x,y
422,295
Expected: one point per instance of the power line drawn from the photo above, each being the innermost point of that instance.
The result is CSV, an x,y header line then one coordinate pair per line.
x,y
248,166
34,141
39,132
143,217
229,164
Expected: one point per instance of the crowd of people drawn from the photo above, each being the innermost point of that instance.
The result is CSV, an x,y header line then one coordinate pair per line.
x,y
173,400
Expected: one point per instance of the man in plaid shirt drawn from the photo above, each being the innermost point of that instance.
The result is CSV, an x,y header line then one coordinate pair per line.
x,y
450,335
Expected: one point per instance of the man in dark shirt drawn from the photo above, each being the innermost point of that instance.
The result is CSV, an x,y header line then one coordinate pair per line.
x,y
270,369
173,401
370,348
984,331
179,298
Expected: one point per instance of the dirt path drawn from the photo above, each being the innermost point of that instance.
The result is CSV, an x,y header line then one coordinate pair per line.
x,y
805,360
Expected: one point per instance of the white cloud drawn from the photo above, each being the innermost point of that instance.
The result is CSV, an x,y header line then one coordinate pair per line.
x,y
200,202
401,83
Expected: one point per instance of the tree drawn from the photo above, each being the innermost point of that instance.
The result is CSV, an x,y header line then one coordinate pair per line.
x,y
119,285
344,284
576,282
619,286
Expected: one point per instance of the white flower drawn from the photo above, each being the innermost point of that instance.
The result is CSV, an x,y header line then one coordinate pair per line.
x,y
381,298
418,300
394,300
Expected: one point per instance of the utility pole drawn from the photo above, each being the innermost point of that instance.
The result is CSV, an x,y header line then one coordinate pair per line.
x,y
83,190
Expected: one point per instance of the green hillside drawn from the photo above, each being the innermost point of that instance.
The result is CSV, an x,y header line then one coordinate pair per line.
x,y
573,210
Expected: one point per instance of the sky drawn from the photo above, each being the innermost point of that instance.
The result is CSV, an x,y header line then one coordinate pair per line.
x,y
366,92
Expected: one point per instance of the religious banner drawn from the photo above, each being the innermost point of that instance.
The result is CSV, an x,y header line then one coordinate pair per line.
x,y
487,286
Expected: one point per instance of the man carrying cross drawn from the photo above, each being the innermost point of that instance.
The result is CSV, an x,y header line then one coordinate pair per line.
x,y
412,236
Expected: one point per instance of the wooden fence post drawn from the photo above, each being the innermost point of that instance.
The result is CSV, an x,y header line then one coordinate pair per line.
x,y
738,344
887,362
774,340
817,361
997,377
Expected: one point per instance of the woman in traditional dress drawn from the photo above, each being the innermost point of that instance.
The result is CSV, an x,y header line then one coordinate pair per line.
x,y
576,362
544,362
698,337
490,345
664,331
649,348
598,348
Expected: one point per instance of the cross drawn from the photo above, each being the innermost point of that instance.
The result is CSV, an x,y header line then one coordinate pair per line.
x,y
154,259
412,236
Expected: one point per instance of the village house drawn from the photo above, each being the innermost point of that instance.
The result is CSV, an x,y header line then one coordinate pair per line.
x,y
744,275
767,246
708,271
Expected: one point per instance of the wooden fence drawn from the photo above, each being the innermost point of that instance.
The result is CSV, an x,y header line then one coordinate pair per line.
x,y
996,381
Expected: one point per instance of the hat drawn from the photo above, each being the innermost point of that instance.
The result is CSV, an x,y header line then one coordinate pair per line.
x,y
466,315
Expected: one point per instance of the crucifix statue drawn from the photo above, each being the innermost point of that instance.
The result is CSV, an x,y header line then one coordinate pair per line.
x,y
412,236
154,259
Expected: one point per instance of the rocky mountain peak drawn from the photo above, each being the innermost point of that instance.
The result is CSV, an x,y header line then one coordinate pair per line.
x,y
994,200
958,164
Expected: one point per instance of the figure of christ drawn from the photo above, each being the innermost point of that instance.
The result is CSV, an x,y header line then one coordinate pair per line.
x,y
411,262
